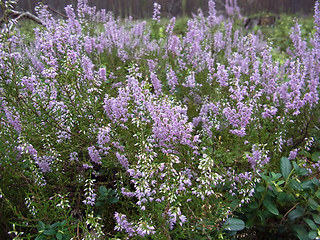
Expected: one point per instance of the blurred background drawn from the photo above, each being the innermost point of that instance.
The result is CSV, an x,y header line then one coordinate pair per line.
x,y
144,8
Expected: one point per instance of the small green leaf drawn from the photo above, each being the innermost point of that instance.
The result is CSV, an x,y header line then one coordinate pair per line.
x,y
316,218
300,171
59,236
271,207
234,224
313,234
315,156
285,167
49,232
275,176
103,190
295,184
311,223
112,192
260,189
39,237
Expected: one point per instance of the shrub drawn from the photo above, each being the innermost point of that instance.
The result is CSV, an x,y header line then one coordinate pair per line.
x,y
122,129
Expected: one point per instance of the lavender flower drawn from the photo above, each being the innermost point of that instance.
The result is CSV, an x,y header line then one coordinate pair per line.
x,y
293,154
124,224
94,155
156,12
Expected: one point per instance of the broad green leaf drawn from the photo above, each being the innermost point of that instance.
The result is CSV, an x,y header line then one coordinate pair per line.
x,y
264,177
316,218
271,207
312,203
296,213
307,185
234,224
302,234
300,171
271,193
315,181
318,193
285,167
264,215
305,153
63,222
311,223
303,172
315,156
284,197
54,225
253,205
231,233
251,220
41,226
296,166
234,203
113,200
66,237
40,237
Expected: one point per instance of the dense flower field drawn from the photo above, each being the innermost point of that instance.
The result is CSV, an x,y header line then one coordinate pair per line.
x,y
124,129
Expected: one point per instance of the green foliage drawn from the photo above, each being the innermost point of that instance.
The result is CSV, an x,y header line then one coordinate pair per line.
x,y
26,28
285,203
233,225
106,196
181,26
56,230
278,33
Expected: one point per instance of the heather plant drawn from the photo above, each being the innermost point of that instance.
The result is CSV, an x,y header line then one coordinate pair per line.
x,y
123,129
